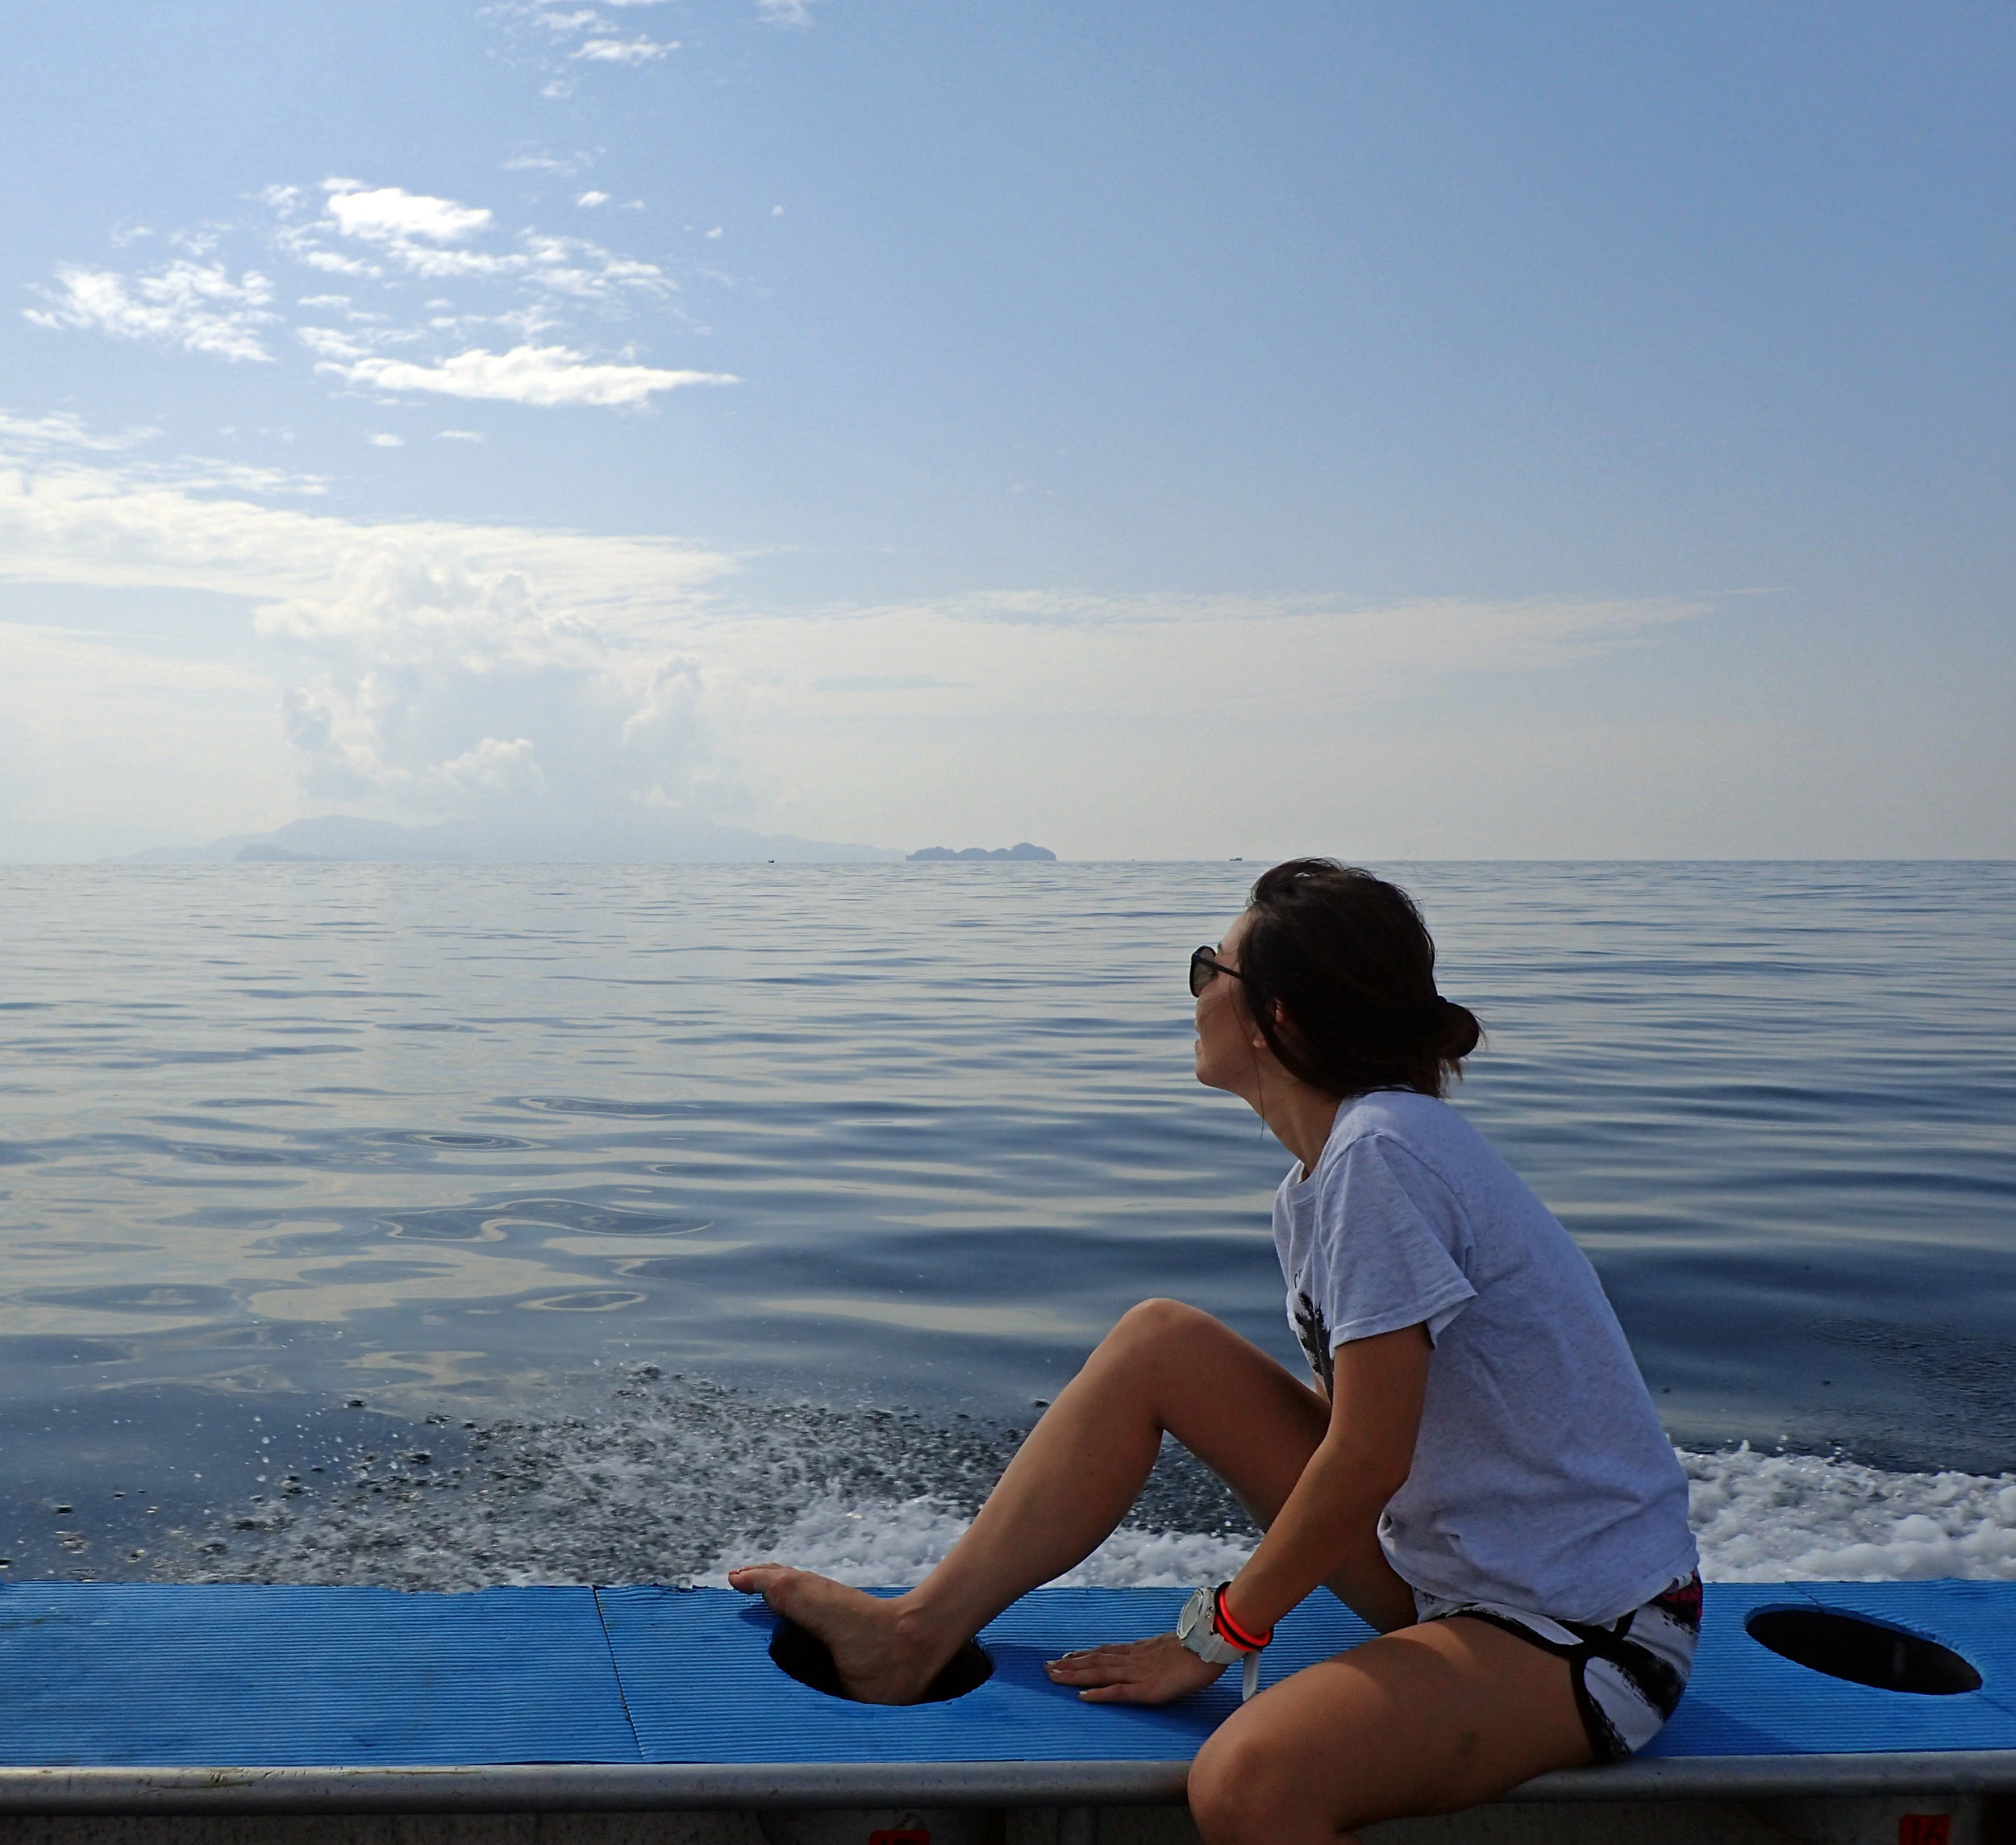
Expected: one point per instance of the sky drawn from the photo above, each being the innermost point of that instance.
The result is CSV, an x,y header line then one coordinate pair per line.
x,y
1396,430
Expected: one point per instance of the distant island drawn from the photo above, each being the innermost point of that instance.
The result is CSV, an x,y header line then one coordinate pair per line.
x,y
1024,849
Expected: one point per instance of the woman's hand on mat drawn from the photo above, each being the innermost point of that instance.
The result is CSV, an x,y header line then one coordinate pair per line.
x,y
1140,1671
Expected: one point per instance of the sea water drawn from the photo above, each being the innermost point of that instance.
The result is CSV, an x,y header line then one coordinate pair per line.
x,y
445,1225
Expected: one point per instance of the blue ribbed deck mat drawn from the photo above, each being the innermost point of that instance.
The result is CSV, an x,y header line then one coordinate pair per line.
x,y
197,1675
145,1675
696,1668
1744,1699
697,1673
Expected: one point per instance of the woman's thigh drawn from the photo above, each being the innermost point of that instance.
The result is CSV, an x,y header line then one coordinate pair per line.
x,y
1429,1719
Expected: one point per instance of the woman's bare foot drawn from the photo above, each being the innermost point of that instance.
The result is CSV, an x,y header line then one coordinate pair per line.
x,y
880,1655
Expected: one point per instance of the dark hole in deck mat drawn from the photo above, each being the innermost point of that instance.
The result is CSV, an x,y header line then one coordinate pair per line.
x,y
1863,1652
797,1652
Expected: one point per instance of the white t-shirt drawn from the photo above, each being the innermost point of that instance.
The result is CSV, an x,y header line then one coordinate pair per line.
x,y
1542,1479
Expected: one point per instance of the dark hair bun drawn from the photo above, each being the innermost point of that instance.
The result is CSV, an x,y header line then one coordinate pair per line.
x,y
1347,961
1454,1032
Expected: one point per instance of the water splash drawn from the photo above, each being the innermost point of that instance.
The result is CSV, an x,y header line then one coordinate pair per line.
x,y
681,1478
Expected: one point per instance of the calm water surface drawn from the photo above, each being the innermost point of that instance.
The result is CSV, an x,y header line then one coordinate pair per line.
x,y
461,1141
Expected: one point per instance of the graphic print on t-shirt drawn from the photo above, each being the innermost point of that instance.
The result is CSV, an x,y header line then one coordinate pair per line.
x,y
1315,1337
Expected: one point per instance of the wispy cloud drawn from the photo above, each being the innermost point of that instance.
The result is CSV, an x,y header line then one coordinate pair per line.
x,y
1046,653
535,160
207,473
63,430
194,306
55,442
430,238
623,51
568,44
542,375
385,239
574,266
422,235
785,12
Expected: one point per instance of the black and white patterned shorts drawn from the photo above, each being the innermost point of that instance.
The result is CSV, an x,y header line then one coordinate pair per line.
x,y
1628,1675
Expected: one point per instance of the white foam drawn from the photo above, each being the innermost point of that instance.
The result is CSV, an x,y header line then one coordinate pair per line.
x,y
678,1478
874,1546
1758,1517
1786,1518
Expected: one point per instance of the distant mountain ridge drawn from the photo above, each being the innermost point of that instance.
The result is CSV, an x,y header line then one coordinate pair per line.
x,y
640,837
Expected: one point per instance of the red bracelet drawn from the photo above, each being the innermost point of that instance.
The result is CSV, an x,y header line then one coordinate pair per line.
x,y
1229,1629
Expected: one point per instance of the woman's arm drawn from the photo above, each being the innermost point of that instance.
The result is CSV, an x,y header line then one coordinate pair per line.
x,y
1328,1531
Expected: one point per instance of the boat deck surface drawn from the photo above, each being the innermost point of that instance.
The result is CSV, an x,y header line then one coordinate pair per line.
x,y
111,1676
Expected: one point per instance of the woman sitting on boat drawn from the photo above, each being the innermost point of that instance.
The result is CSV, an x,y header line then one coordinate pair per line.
x,y
1478,1470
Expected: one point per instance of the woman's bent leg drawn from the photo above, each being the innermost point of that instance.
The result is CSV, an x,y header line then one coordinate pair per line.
x,y
1429,1719
1164,1368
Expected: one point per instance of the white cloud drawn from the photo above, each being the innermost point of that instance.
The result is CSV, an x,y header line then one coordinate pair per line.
x,y
546,376
624,51
423,234
55,441
458,435
382,440
422,681
426,667
495,767
573,266
785,12
430,666
63,429
391,215
332,343
330,262
121,527
535,160
204,473
194,306
378,238
430,238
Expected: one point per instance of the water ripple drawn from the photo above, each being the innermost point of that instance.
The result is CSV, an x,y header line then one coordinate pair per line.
x,y
852,1130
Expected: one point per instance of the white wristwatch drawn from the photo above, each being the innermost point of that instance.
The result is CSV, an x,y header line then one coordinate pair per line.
x,y
1197,1627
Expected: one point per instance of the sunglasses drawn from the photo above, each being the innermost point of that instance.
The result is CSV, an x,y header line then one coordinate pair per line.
x,y
1205,966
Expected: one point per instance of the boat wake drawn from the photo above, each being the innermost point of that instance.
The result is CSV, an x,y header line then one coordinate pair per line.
x,y
680,1478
